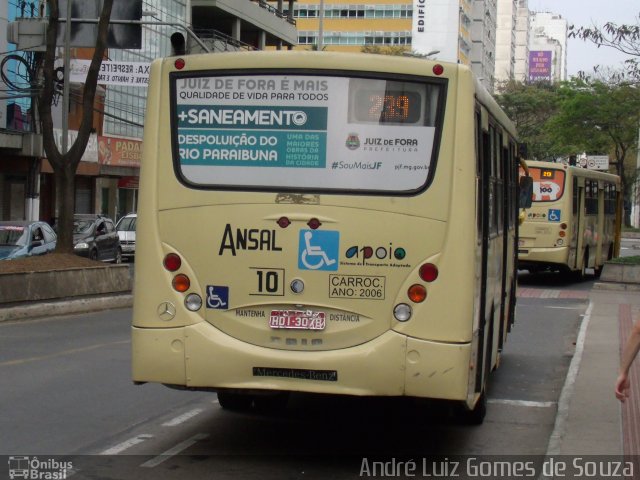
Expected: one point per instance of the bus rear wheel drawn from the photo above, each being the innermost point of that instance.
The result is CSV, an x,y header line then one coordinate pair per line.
x,y
235,401
475,415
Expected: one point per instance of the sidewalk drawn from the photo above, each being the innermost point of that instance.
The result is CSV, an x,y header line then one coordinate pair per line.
x,y
590,420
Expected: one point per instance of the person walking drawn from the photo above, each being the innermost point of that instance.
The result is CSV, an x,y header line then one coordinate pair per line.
x,y
629,352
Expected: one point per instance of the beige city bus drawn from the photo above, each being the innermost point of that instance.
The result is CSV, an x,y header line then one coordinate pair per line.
x,y
574,221
324,222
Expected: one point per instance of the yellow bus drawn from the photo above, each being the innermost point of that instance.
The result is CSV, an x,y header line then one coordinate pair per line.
x,y
327,223
574,221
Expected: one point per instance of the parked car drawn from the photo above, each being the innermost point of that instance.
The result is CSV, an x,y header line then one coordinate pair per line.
x,y
95,237
126,228
23,239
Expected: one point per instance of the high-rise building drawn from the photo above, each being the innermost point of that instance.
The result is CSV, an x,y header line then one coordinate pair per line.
x,y
338,26
548,47
106,177
483,38
523,30
461,31
512,41
506,40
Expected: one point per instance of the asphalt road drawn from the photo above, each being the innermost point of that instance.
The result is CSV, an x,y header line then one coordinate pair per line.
x,y
65,390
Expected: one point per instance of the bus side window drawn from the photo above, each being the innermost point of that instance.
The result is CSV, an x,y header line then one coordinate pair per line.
x,y
575,196
591,197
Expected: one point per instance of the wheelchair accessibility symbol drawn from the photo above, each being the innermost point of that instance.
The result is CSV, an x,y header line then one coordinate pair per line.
x,y
217,297
318,250
553,215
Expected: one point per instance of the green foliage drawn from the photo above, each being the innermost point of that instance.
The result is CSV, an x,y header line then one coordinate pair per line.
x,y
635,260
530,107
559,120
390,50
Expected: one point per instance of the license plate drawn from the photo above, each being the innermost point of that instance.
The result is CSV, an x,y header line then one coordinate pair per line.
x,y
297,319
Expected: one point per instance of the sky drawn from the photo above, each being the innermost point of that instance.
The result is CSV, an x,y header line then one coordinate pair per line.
x,y
583,55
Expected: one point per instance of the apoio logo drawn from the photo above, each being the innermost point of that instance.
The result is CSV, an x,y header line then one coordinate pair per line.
x,y
367,252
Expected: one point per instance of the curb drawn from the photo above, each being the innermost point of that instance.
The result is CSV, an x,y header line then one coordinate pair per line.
x,y
65,307
618,287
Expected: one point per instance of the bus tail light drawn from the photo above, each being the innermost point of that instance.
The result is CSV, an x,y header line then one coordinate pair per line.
x,y
181,283
172,262
179,63
428,272
562,233
417,293
563,226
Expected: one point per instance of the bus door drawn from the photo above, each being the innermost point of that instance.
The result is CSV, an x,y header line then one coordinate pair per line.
x,y
600,233
484,213
579,222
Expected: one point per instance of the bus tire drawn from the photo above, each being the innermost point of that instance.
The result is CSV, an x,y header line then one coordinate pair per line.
x,y
475,415
271,403
235,401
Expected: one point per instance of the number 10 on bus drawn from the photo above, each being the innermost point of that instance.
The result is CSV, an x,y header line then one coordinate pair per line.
x,y
268,282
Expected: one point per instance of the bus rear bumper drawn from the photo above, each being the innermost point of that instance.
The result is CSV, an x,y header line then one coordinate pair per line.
x,y
202,357
539,257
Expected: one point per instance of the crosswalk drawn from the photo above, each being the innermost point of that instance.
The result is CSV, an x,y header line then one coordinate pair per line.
x,y
551,293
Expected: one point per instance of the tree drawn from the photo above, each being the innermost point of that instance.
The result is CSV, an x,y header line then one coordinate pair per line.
x,y
601,118
65,164
387,50
624,38
530,107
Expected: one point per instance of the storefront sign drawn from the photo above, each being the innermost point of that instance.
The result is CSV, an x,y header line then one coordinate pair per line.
x,y
119,152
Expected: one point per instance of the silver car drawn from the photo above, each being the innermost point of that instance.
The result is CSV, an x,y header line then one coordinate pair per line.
x,y
126,228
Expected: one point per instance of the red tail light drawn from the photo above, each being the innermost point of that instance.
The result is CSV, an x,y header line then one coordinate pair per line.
x,y
428,272
172,262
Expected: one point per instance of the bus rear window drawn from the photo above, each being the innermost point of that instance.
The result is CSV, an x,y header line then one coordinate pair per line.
x,y
332,133
548,184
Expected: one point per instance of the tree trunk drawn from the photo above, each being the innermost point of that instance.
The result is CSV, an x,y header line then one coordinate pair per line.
x,y
64,164
65,189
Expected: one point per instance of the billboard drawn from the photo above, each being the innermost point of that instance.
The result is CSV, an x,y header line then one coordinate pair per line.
x,y
540,65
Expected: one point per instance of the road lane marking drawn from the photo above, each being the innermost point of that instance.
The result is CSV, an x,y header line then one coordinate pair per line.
x,y
527,292
121,447
560,425
521,403
154,462
11,363
183,418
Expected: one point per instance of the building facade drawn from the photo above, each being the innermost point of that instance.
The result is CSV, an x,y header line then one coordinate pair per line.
x,y
523,31
549,33
106,179
338,26
507,13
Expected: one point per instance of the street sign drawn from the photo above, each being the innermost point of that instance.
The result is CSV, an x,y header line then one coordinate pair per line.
x,y
85,34
598,162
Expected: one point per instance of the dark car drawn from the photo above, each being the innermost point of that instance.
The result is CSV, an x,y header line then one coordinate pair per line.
x,y
24,238
95,237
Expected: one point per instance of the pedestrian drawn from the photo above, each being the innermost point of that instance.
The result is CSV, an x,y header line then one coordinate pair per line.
x,y
629,353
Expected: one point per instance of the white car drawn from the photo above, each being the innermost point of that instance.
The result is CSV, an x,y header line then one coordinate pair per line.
x,y
126,228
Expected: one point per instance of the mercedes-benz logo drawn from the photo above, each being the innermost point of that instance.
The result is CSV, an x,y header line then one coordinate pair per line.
x,y
166,311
